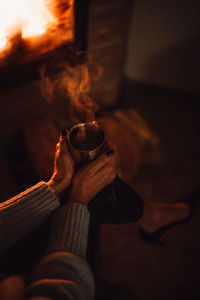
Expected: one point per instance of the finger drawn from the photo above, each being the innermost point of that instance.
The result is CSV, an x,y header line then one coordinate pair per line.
x,y
63,135
63,142
61,149
57,152
57,148
101,161
104,176
109,144
108,169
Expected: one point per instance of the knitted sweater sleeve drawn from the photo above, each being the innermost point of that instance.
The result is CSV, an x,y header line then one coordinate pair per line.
x,y
64,273
24,212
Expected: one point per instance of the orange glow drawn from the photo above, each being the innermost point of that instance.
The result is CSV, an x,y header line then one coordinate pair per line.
x,y
27,17
40,25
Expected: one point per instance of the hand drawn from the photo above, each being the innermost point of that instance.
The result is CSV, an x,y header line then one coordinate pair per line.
x,y
63,167
92,178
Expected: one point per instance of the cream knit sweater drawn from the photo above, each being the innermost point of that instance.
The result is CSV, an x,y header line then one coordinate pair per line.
x,y
63,273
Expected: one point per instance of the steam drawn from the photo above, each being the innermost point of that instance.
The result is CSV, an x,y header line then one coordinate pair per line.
x,y
75,83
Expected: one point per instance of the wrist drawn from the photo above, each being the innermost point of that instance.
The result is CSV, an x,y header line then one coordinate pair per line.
x,y
59,187
54,186
77,201
74,197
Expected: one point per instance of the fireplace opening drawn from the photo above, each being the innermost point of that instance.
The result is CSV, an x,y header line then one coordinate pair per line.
x,y
37,26
33,32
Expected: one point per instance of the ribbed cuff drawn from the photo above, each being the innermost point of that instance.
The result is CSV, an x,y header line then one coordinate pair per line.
x,y
24,212
70,229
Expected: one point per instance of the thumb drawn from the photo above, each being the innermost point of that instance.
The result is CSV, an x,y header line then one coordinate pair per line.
x,y
64,146
63,141
63,135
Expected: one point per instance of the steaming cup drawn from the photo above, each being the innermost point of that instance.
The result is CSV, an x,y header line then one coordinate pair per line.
x,y
86,141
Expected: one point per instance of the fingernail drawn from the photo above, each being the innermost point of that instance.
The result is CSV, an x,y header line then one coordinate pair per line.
x,y
64,132
110,153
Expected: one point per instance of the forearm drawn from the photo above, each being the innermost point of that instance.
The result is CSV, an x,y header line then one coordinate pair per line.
x,y
61,275
24,212
69,229
64,273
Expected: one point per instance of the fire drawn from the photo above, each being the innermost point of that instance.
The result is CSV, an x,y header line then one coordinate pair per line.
x,y
25,17
29,28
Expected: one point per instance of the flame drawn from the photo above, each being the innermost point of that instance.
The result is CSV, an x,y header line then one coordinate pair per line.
x,y
27,17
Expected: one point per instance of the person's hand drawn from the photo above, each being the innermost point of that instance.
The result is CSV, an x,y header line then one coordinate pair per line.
x,y
63,167
92,178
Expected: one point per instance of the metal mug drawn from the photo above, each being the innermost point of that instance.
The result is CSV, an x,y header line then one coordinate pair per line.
x,y
86,141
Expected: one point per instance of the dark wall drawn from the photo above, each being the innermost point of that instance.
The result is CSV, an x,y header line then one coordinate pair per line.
x,y
164,43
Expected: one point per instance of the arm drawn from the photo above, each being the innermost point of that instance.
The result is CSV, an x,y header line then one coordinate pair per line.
x,y
64,273
23,213
26,211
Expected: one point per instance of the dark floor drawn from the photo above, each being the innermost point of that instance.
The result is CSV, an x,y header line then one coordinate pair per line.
x,y
175,118
171,269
